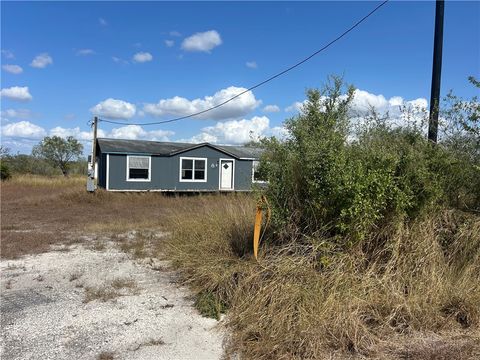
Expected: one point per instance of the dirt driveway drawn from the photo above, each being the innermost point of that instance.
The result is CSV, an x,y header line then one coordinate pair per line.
x,y
88,302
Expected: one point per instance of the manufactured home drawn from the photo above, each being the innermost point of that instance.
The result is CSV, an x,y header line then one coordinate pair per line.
x,y
138,165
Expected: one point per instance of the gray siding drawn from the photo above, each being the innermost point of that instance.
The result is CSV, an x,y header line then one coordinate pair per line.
x,y
243,175
102,170
165,172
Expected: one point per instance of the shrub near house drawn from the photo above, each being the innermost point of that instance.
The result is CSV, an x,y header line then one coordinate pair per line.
x,y
373,249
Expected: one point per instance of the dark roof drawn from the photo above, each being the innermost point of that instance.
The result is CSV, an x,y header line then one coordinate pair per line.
x,y
171,148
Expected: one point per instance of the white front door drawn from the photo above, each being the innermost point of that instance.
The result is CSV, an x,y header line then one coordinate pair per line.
x,y
226,174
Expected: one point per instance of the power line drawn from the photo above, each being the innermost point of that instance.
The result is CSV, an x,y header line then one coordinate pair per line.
x,y
260,83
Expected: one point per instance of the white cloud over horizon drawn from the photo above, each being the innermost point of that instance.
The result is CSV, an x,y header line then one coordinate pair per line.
x,y
142,57
251,64
16,93
295,107
233,124
202,41
363,101
169,43
41,61
75,132
134,132
23,129
179,106
24,134
12,69
237,132
114,109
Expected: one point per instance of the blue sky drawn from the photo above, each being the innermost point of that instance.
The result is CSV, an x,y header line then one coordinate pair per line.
x,y
148,61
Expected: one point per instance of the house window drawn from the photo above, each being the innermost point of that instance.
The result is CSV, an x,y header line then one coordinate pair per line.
x,y
138,168
258,174
193,169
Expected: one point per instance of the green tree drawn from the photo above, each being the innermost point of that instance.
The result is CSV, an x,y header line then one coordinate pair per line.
x,y
58,151
326,179
462,116
4,168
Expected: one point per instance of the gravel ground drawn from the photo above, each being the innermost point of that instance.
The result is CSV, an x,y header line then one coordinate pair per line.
x,y
148,316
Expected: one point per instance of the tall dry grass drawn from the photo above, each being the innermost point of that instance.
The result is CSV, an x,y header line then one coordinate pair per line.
x,y
416,281
47,181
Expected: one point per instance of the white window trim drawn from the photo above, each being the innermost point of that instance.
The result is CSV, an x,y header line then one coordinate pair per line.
x,y
193,170
107,180
220,174
149,169
253,174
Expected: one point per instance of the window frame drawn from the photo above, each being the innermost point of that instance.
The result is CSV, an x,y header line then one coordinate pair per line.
x,y
149,179
193,169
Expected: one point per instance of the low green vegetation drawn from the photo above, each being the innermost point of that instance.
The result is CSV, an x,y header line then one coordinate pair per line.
x,y
374,245
58,152
52,156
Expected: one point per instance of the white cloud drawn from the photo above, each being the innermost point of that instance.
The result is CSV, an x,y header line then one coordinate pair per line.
x,y
102,21
296,106
21,145
134,132
251,64
41,61
16,114
85,52
119,60
114,109
75,132
131,132
175,33
363,101
395,101
23,129
414,111
202,41
17,93
24,134
271,109
420,103
179,106
8,54
12,69
238,131
142,57
169,43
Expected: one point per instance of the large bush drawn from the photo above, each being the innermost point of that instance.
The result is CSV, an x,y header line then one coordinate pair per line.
x,y
380,266
328,179
4,171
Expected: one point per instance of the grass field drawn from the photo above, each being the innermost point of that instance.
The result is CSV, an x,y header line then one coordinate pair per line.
x,y
420,302
40,211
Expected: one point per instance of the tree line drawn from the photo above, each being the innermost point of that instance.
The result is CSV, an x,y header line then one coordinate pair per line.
x,y
52,156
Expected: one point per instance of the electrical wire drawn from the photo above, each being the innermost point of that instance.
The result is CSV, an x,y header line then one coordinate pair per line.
x,y
260,83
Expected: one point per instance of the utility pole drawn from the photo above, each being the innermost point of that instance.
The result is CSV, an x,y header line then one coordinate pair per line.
x,y
94,151
91,172
436,72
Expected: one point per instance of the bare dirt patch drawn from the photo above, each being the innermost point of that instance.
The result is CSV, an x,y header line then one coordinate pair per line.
x,y
149,317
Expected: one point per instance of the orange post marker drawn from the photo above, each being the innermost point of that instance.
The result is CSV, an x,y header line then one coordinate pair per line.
x,y
258,224
256,231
